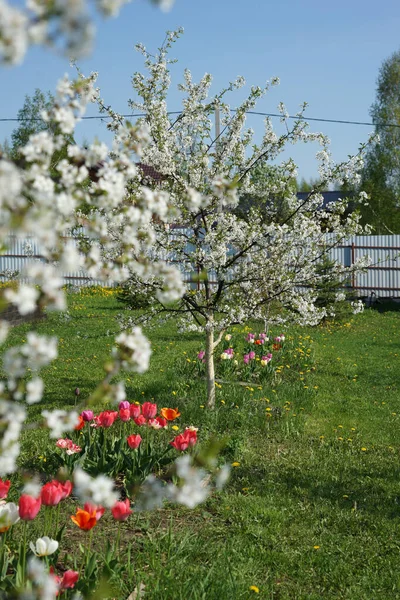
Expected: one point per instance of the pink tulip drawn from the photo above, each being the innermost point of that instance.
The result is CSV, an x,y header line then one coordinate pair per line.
x,y
121,510
87,415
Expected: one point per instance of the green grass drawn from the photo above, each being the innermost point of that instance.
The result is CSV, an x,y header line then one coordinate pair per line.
x,y
311,511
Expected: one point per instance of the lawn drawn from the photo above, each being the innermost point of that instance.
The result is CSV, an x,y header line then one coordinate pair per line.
x,y
312,506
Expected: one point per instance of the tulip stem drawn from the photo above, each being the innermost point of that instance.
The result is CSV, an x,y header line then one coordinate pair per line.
x,y
118,536
90,542
3,545
57,517
50,519
24,554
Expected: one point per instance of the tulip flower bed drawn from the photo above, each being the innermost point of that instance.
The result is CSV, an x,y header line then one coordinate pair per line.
x,y
110,442
311,507
254,358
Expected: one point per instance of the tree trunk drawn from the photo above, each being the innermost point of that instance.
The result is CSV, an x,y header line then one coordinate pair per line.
x,y
210,372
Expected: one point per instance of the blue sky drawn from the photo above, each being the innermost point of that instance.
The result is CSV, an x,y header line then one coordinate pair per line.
x,y
325,53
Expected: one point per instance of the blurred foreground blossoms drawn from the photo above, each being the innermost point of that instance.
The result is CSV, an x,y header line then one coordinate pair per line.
x,y
85,191
65,25
98,194
253,248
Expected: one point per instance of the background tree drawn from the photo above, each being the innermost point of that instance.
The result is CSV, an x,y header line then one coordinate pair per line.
x,y
306,186
256,264
381,175
30,119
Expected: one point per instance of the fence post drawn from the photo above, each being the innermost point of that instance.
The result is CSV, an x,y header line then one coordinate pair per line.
x,y
353,277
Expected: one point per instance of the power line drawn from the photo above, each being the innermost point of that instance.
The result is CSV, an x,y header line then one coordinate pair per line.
x,y
250,112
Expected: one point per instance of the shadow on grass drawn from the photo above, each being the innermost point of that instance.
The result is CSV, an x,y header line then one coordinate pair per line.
x,y
371,491
383,305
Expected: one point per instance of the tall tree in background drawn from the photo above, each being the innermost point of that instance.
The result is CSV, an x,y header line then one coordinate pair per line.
x,y
381,176
30,119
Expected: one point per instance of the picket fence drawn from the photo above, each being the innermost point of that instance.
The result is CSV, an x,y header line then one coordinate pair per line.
x,y
382,278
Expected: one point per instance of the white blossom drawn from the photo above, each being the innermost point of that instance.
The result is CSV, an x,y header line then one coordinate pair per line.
x,y
133,350
60,421
37,571
34,390
98,490
193,489
24,298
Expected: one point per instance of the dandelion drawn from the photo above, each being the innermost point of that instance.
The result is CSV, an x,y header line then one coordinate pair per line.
x,y
236,464
254,589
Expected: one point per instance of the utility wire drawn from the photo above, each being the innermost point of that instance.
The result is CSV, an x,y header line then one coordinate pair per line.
x,y
250,112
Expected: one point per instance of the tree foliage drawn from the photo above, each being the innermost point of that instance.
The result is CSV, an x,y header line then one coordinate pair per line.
x,y
381,176
30,119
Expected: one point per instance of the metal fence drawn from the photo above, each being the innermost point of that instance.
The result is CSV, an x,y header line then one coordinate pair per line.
x,y
381,279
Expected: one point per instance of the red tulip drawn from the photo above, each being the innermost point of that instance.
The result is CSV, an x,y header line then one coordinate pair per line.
x,y
134,441
124,414
69,580
107,418
29,507
66,489
180,443
135,410
51,493
4,488
140,420
191,435
186,439
162,422
149,410
121,510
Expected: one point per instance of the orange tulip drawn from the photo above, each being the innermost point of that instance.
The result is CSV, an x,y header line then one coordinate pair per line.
x,y
170,413
81,423
84,519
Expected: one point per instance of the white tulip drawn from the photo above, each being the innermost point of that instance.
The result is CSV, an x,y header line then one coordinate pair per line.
x,y
44,546
9,515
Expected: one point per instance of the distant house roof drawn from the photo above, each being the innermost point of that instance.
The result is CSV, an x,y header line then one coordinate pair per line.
x,y
151,173
328,196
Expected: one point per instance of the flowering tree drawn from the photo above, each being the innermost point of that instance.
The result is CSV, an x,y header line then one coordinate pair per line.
x,y
244,264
